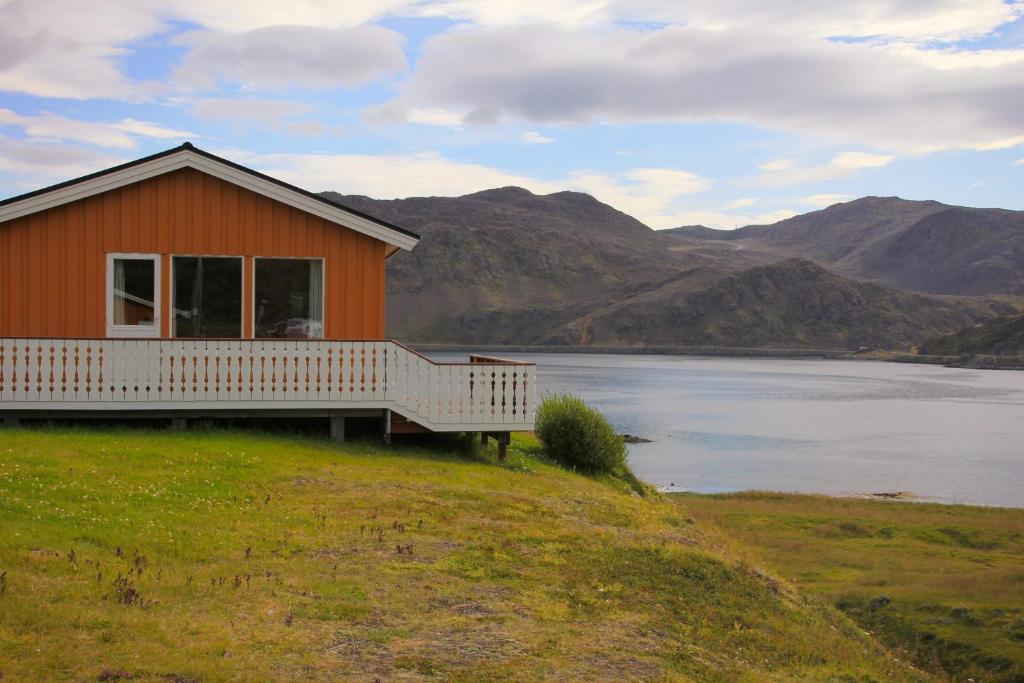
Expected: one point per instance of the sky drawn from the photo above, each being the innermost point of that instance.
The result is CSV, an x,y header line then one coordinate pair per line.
x,y
679,112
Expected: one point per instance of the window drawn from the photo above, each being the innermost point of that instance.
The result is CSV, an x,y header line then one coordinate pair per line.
x,y
289,298
133,295
207,296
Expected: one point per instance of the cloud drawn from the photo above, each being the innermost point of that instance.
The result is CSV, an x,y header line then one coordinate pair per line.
x,y
51,126
841,165
905,19
778,165
535,138
249,110
1019,162
435,116
256,14
946,20
152,130
646,193
286,56
50,48
837,91
29,164
310,129
741,203
825,199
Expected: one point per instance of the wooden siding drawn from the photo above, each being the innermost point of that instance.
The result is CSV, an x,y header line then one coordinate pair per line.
x,y
53,263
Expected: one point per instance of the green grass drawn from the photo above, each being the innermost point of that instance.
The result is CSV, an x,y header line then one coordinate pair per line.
x,y
944,583
238,556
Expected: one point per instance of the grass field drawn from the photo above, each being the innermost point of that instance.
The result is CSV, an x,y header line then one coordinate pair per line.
x,y
945,583
149,555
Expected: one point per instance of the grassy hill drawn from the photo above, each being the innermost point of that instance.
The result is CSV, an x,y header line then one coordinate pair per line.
x,y
790,304
943,583
999,337
210,556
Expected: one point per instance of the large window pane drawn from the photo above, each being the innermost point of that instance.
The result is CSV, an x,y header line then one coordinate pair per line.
x,y
207,296
134,292
289,298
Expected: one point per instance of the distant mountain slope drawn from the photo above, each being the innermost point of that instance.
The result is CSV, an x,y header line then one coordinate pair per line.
x,y
921,246
504,265
999,337
955,250
790,304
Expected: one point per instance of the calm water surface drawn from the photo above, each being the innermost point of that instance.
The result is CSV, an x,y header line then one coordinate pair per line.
x,y
821,426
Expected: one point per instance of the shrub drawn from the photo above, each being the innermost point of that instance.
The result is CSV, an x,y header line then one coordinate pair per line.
x,y
578,436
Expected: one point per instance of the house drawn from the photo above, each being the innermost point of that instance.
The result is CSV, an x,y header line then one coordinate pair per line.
x,y
183,284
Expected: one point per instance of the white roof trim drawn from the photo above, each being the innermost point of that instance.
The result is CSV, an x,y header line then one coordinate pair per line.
x,y
187,158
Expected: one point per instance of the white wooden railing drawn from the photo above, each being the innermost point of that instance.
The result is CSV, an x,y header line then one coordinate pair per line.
x,y
210,374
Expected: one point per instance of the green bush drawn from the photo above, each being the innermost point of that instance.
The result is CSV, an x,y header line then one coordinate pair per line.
x,y
578,436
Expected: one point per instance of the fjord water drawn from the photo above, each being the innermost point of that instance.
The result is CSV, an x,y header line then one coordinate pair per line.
x,y
815,426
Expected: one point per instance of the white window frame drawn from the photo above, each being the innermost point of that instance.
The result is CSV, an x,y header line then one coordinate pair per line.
x,y
241,304
323,289
137,331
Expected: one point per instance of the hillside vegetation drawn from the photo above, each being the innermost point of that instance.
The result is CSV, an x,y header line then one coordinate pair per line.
x,y
999,337
945,583
790,304
211,556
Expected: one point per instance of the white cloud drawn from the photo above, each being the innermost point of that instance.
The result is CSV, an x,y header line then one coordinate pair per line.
x,y
29,164
534,138
286,56
256,14
310,129
436,116
249,110
51,48
778,165
117,134
646,193
836,91
741,203
841,165
152,130
519,12
906,19
825,199
60,128
1019,162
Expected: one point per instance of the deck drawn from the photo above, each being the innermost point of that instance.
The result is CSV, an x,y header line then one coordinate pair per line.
x,y
209,377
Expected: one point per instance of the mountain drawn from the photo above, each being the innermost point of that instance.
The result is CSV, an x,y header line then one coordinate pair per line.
x,y
507,266
999,337
923,246
701,232
790,304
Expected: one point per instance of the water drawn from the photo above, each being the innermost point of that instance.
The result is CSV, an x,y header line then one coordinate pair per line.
x,y
818,426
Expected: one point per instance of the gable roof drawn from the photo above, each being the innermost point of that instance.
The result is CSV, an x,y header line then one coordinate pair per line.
x,y
189,156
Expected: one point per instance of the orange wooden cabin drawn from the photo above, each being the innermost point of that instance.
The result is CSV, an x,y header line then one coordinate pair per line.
x,y
187,284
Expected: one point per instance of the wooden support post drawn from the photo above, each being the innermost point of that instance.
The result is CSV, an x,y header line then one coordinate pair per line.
x,y
179,424
337,427
387,427
483,438
12,421
503,441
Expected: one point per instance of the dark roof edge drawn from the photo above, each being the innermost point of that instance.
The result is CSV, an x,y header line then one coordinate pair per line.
x,y
188,146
